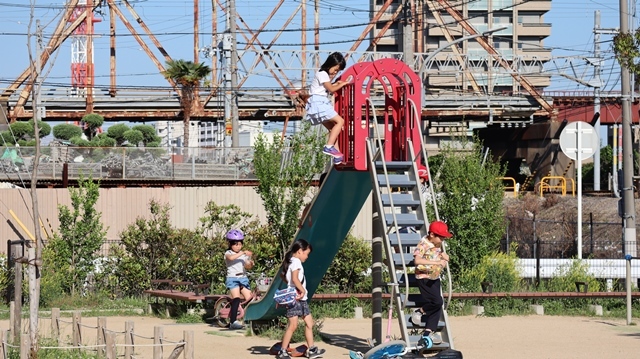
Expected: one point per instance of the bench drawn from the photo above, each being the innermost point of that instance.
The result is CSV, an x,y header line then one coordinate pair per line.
x,y
171,290
483,295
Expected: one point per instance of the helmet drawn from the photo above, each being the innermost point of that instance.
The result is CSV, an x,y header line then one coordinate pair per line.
x,y
235,235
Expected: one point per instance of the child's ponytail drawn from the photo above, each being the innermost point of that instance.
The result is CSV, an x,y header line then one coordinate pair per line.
x,y
296,246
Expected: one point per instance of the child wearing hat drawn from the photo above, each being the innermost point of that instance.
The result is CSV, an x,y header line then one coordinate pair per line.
x,y
430,260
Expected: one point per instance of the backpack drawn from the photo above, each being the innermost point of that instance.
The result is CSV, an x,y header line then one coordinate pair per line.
x,y
449,354
285,297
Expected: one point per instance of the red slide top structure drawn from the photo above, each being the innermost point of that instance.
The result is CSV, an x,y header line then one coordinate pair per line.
x,y
398,118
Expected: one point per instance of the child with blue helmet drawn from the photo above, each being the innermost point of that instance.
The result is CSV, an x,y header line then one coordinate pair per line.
x,y
237,281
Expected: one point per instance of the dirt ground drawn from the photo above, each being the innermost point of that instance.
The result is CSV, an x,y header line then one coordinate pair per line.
x,y
520,337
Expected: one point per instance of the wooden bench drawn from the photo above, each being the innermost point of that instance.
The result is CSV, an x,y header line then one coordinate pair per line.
x,y
171,290
480,295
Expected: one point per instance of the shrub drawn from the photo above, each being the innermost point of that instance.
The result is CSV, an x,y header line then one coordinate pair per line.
x,y
498,268
565,278
73,250
348,272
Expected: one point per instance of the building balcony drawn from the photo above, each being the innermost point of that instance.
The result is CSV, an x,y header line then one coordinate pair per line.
x,y
537,53
533,29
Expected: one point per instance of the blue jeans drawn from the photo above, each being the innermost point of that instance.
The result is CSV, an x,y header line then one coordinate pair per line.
x,y
234,282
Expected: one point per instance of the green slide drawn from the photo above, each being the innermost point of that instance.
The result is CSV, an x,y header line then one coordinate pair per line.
x,y
332,213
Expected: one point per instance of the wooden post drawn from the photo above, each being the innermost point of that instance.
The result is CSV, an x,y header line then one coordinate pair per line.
x,y
12,318
100,338
128,340
110,341
3,336
189,344
157,341
17,294
25,346
77,335
55,324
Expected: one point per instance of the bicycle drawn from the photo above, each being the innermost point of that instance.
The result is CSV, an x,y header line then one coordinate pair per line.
x,y
389,349
222,306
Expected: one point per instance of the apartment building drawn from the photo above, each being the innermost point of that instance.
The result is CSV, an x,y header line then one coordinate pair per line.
x,y
468,67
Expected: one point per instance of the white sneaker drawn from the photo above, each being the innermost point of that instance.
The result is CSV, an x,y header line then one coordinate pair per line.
x,y
416,317
436,338
236,325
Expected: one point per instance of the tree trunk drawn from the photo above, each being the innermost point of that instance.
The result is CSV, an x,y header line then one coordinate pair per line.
x,y
187,120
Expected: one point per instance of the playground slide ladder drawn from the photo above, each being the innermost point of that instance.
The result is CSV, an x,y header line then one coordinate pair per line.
x,y
396,195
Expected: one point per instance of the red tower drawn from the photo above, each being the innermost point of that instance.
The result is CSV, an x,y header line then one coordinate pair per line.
x,y
81,48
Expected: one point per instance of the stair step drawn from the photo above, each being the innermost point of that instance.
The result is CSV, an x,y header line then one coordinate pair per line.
x,y
410,324
404,220
395,166
400,180
413,300
400,200
409,239
411,277
408,260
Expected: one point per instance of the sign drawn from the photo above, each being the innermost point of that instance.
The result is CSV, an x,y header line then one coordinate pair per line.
x,y
580,133
228,128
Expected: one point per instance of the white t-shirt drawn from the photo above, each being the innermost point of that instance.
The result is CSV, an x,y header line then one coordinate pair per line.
x,y
235,268
317,85
296,264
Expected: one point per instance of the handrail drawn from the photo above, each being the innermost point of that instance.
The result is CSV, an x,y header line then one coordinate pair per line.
x,y
562,186
515,190
433,196
393,212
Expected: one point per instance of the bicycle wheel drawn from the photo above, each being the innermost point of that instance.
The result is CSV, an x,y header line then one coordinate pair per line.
x,y
392,349
221,311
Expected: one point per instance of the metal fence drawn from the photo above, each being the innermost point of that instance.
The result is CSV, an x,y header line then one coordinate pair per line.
x,y
545,238
156,163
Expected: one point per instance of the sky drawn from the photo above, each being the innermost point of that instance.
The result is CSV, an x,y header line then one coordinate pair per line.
x,y
341,21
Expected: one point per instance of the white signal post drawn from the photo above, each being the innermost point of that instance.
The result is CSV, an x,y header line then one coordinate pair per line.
x,y
579,141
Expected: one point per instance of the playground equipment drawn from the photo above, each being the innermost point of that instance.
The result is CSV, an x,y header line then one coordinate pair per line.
x,y
382,144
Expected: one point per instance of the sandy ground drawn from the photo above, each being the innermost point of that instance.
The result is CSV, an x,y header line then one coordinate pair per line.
x,y
520,337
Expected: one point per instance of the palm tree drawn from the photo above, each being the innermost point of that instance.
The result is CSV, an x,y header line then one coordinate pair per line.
x,y
187,75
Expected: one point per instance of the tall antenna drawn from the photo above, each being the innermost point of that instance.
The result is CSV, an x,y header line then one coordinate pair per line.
x,y
81,41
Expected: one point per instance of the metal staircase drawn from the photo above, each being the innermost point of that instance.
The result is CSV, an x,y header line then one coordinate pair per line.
x,y
397,195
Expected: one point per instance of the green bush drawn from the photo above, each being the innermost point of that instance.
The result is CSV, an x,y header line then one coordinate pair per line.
x,y
497,268
348,272
565,278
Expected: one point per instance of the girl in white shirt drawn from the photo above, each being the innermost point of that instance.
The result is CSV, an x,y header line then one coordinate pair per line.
x,y
319,108
293,274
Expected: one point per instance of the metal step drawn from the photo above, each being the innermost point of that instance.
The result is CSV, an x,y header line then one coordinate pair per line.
x,y
413,300
408,259
410,325
409,239
396,180
410,277
400,200
395,166
404,220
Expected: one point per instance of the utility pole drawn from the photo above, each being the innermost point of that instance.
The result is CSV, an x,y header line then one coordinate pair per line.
x,y
629,214
407,32
596,98
235,129
35,254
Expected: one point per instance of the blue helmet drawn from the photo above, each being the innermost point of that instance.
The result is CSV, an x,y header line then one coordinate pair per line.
x,y
235,235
